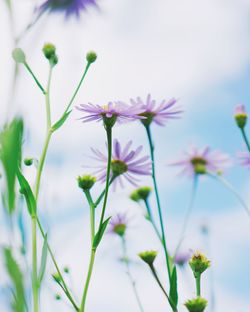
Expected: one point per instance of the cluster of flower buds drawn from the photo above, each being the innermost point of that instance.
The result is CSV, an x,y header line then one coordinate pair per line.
x,y
49,51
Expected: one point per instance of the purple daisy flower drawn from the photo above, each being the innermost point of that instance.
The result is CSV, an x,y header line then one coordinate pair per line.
x,y
70,7
245,159
126,164
160,114
114,111
182,258
118,224
201,161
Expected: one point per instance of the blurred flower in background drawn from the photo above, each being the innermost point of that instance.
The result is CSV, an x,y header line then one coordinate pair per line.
x,y
245,159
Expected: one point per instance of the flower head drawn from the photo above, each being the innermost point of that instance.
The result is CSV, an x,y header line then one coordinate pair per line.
x,y
141,193
201,161
126,163
158,114
69,7
240,116
111,113
86,182
196,305
118,224
148,256
244,158
199,263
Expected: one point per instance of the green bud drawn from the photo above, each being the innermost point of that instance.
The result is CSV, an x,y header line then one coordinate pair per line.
x,y
240,116
148,256
91,57
18,55
141,193
28,161
66,270
86,182
56,277
196,305
58,297
49,50
199,263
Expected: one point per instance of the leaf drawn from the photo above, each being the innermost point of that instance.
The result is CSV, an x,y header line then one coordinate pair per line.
x,y
61,121
99,234
27,192
173,293
16,276
43,259
10,156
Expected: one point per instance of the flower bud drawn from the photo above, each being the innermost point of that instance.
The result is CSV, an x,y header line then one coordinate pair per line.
x,y
141,193
18,55
66,270
148,256
56,277
199,263
196,305
240,116
86,182
28,161
91,57
49,50
58,297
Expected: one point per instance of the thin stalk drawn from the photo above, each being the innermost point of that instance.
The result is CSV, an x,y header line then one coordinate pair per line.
x,y
230,188
151,220
92,215
109,139
155,275
198,285
188,213
35,78
64,286
243,132
86,287
77,88
158,201
35,287
131,279
97,202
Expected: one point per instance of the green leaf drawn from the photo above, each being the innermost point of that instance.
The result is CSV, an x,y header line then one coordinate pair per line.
x,y
173,293
10,156
27,192
61,121
43,259
18,303
100,232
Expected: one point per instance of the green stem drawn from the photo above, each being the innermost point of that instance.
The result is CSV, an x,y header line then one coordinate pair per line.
x,y
188,213
198,285
222,180
77,88
92,214
131,279
155,275
243,132
158,201
35,287
86,287
65,288
47,100
151,220
35,78
109,139
97,202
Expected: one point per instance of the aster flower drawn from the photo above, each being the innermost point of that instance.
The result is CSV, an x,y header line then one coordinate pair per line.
x,y
69,7
125,164
118,224
245,159
201,161
182,258
158,114
109,114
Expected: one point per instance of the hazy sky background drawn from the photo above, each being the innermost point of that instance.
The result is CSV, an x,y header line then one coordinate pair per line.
x,y
196,51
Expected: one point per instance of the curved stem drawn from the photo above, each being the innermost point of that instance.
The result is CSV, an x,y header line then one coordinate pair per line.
x,y
131,279
35,287
65,288
109,139
230,188
35,78
158,201
188,214
151,220
243,132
